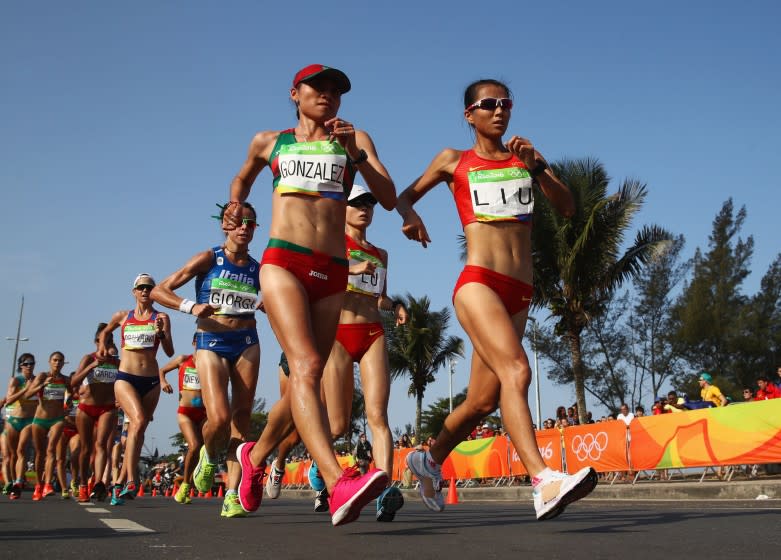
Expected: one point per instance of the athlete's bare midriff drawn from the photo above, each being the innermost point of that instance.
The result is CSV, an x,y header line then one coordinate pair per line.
x,y
309,221
502,247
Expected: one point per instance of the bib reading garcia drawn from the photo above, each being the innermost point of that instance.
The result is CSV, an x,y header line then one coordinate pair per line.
x,y
312,168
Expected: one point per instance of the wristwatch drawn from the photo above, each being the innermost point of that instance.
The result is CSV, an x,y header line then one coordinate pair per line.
x,y
538,169
362,156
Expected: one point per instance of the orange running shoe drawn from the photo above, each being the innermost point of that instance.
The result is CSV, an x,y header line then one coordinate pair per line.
x,y
48,490
37,492
83,493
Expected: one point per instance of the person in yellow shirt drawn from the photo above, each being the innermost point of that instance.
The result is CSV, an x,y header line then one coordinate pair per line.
x,y
710,392
674,403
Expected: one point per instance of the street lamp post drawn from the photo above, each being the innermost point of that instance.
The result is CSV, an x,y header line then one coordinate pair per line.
x,y
450,382
17,339
536,372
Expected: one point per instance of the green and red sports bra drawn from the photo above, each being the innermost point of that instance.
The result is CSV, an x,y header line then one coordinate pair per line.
x,y
319,168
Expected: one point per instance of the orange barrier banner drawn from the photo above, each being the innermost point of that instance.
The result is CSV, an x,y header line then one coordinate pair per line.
x,y
400,462
601,445
549,444
295,473
298,472
479,458
745,433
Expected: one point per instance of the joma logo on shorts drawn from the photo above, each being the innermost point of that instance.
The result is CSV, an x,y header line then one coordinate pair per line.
x,y
319,275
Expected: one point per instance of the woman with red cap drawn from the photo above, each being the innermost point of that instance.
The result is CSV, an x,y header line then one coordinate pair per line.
x,y
304,272
492,187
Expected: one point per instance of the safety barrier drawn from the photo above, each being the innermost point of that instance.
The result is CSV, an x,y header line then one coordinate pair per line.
x,y
739,434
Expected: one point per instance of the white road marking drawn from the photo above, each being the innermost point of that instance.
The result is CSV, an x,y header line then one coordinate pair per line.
x,y
86,503
126,526
97,510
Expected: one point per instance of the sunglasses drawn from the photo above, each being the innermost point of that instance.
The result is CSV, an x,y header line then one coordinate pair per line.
x,y
249,222
144,287
491,103
28,364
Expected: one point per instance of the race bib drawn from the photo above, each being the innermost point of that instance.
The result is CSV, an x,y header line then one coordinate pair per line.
x,y
190,380
54,392
102,373
367,284
139,337
231,297
74,408
501,194
312,168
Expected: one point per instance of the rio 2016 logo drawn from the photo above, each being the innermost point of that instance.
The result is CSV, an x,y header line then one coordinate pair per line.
x,y
547,451
589,446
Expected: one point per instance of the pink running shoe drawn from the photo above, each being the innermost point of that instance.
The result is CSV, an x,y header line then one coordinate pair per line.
x,y
251,484
353,491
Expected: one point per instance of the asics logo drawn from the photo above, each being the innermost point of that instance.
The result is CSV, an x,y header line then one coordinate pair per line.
x,y
589,446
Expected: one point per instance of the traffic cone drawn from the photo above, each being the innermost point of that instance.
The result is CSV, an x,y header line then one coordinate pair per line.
x,y
154,492
209,493
452,493
176,489
200,494
140,491
220,493
192,492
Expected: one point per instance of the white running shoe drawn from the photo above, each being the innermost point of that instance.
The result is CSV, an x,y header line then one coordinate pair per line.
x,y
573,487
274,482
429,474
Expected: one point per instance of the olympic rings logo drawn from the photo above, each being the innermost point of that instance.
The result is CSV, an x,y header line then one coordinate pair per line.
x,y
589,446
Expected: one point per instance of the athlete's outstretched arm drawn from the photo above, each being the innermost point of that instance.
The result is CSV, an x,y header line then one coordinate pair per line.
x,y
257,158
104,336
439,170
164,294
170,366
85,366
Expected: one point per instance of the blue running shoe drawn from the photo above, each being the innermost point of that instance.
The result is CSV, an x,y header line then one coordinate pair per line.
x,y
115,499
388,503
315,480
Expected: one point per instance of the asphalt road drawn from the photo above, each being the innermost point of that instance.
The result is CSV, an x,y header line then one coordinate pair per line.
x,y
288,528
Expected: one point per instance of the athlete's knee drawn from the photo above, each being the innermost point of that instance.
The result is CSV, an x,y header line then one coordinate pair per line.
x,y
306,368
219,419
516,374
377,419
339,427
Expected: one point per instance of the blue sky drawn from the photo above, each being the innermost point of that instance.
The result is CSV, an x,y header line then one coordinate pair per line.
x,y
123,124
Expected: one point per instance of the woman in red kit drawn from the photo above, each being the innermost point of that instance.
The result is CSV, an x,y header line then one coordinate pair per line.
x,y
492,184
96,415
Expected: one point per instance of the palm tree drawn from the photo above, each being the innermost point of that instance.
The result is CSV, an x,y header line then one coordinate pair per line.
x,y
420,347
578,262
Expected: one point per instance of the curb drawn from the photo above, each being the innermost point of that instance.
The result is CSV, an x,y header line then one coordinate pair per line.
x,y
646,491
